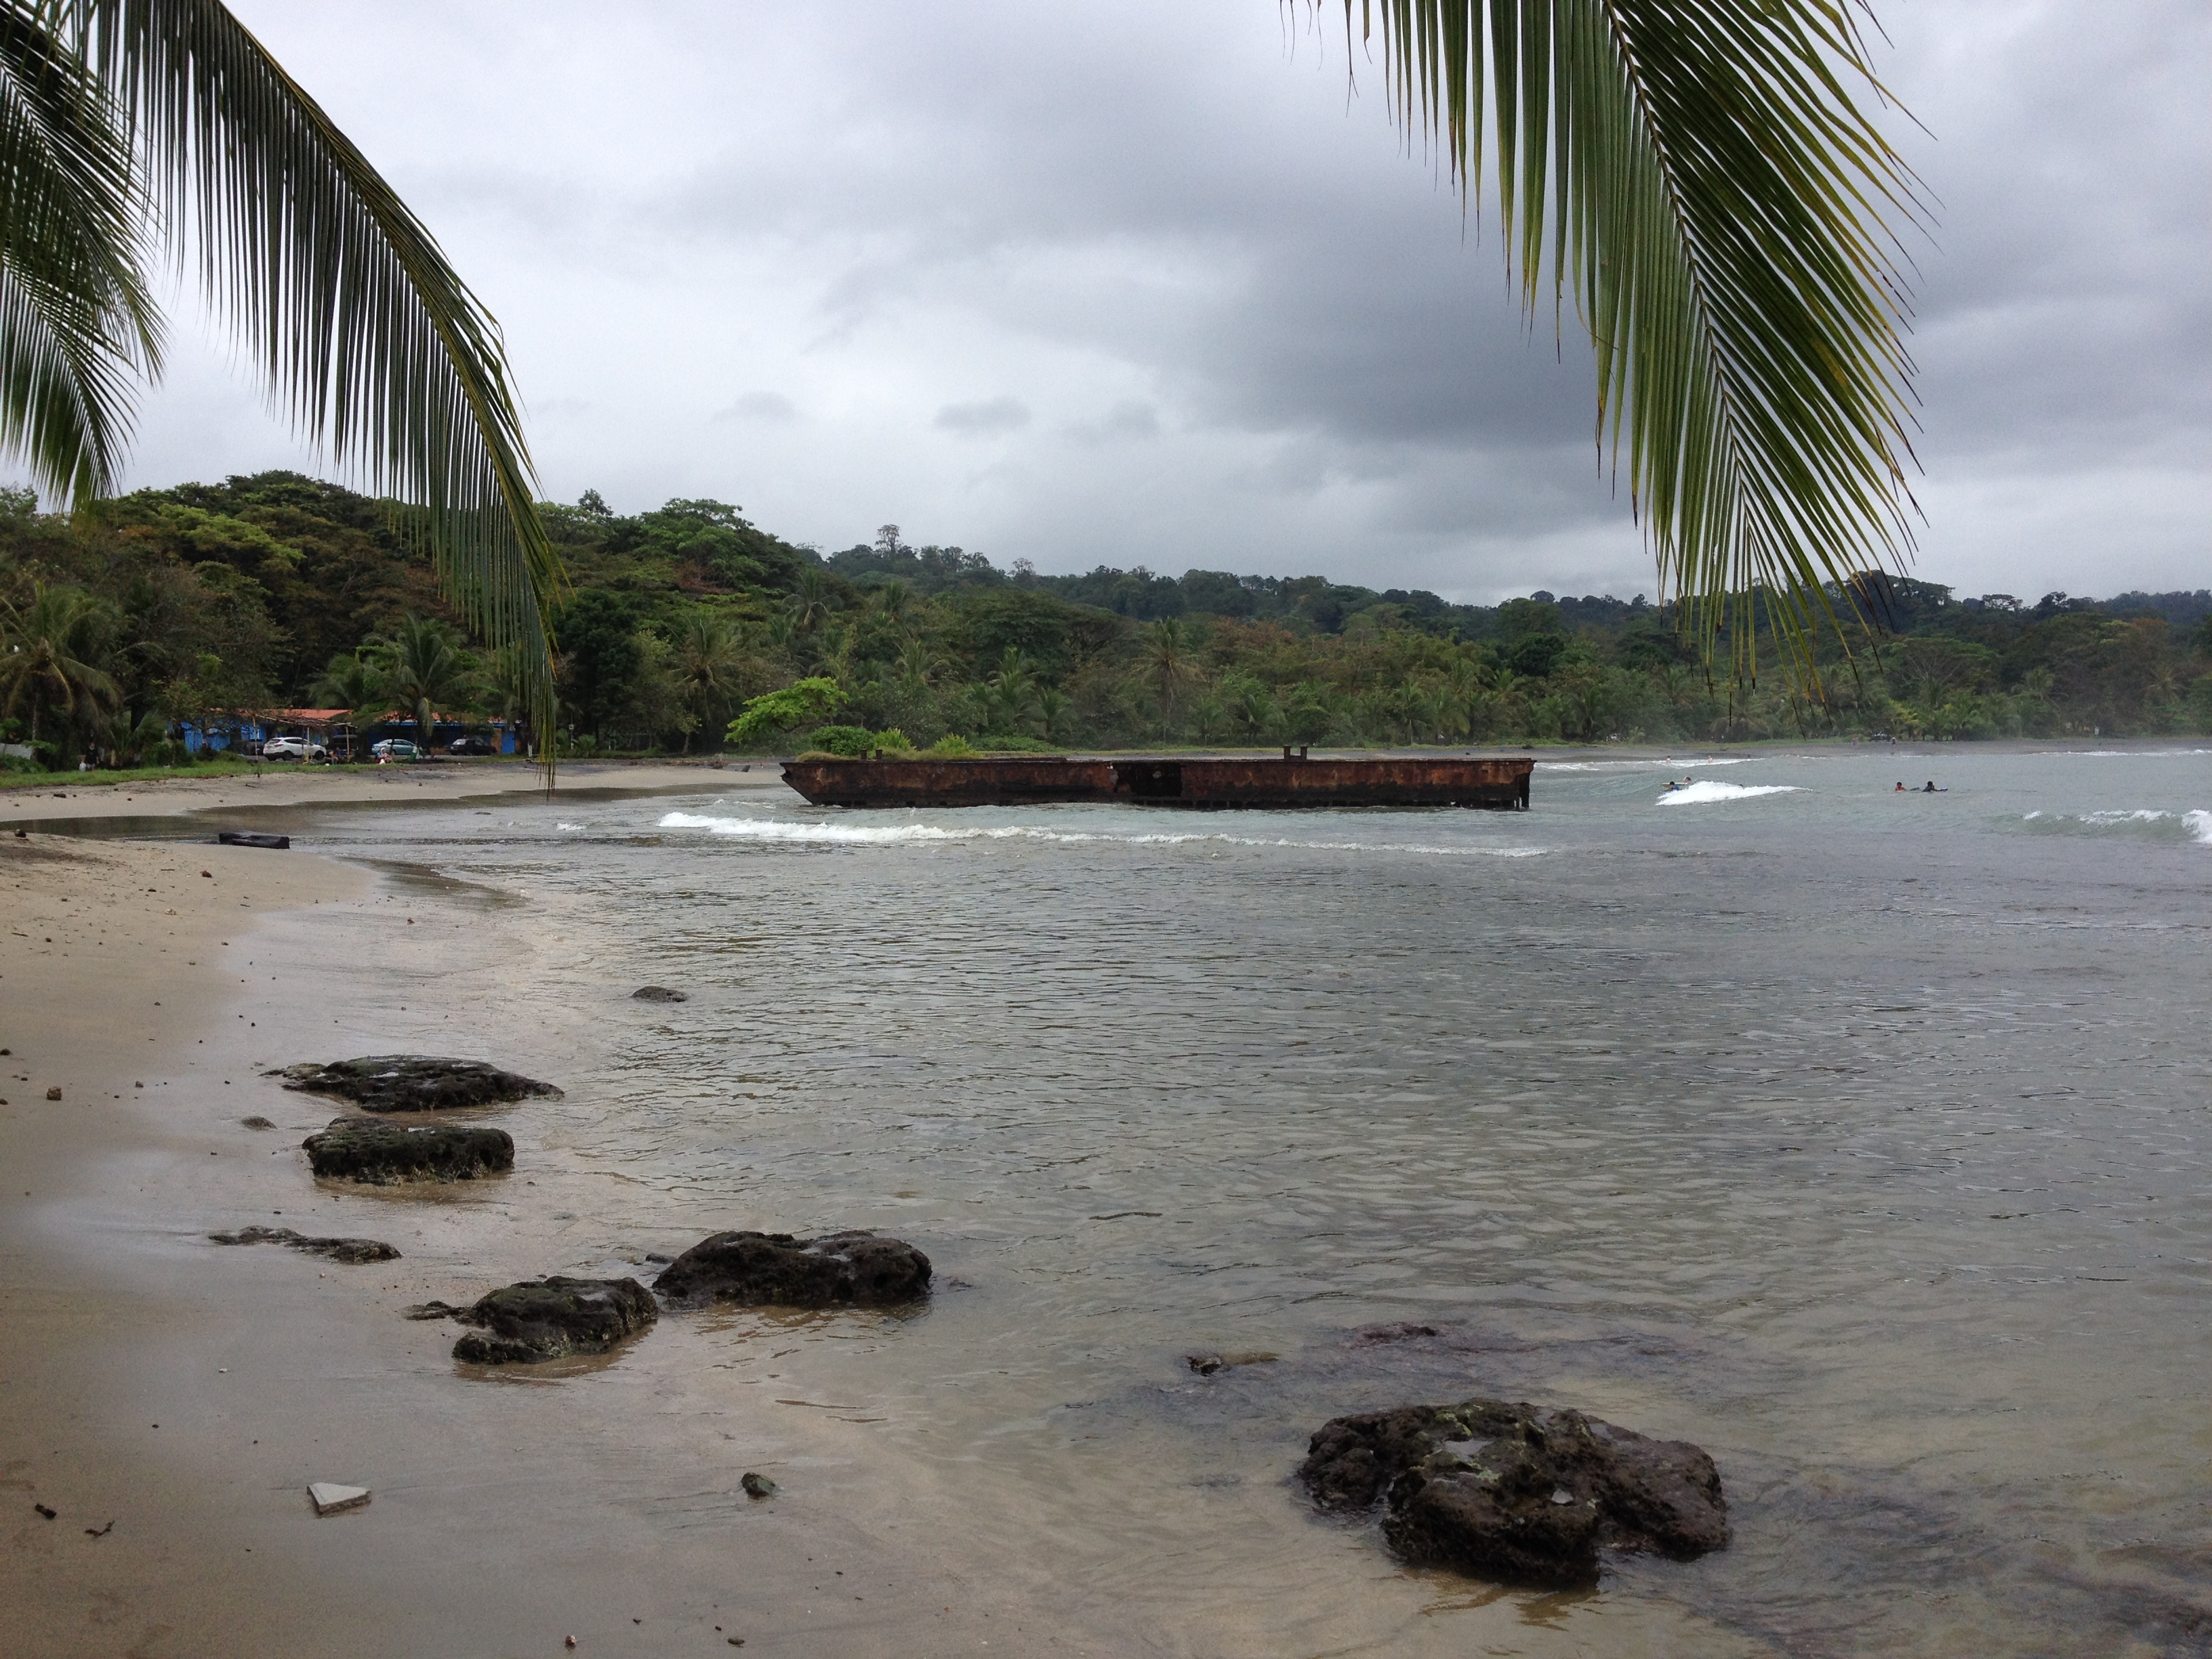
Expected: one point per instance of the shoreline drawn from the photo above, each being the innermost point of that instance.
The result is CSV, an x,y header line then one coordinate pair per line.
x,y
55,796
187,1393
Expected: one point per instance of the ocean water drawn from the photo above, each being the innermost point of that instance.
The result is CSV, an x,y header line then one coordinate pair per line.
x,y
1859,1136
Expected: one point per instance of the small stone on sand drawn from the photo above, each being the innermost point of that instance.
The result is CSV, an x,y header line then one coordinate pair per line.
x,y
330,1498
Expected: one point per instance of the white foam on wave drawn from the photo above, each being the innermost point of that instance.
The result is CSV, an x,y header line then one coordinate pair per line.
x,y
2199,824
572,828
1705,791
1670,764
893,834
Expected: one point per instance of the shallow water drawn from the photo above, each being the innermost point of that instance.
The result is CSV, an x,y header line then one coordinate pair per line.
x,y
1859,1137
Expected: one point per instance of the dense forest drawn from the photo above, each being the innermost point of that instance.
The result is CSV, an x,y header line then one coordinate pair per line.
x,y
120,621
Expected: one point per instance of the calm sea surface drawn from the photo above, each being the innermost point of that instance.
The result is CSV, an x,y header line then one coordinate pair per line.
x,y
1860,1137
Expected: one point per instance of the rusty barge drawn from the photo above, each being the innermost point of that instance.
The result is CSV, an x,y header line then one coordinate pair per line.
x,y
1498,782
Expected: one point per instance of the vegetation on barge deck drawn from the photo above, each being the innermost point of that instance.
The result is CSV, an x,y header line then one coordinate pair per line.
x,y
279,591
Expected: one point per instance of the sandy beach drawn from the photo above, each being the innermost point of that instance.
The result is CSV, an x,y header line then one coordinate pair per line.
x,y
169,1400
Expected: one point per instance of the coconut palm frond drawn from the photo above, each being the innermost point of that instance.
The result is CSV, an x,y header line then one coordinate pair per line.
x,y
1701,176
77,330
366,333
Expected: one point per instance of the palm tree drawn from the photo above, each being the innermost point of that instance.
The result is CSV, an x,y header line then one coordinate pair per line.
x,y
810,601
1052,707
424,667
352,682
1010,685
709,662
1701,175
130,126
1165,664
47,650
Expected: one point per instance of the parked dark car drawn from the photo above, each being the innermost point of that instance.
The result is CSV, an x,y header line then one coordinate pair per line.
x,y
472,746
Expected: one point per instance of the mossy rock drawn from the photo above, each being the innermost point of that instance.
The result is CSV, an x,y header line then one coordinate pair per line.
x,y
542,1319
391,1154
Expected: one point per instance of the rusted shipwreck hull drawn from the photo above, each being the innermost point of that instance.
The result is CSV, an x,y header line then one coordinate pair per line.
x,y
1497,781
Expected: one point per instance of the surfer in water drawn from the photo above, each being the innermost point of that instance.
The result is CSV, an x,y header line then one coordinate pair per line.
x,y
1930,789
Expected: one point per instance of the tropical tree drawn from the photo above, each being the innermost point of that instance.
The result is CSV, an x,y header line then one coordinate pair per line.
x,y
354,682
709,665
426,667
1702,176
1165,664
49,667
126,125
1010,689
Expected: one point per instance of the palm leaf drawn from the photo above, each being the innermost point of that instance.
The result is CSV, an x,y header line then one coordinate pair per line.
x,y
382,354
77,330
1701,176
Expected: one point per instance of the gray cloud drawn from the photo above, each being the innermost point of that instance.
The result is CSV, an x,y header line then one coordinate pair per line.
x,y
917,221
758,406
993,418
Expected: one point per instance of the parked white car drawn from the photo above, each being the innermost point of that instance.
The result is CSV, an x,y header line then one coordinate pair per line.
x,y
300,749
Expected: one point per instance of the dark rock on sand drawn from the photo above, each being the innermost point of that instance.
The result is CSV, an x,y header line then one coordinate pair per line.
x,y
546,1318
658,994
1511,1492
256,1122
757,1485
385,1154
355,1250
777,1270
412,1083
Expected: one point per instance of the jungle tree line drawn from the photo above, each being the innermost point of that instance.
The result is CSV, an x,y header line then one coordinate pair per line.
x,y
125,618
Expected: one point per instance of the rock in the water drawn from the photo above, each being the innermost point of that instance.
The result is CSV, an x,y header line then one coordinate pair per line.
x,y
355,1250
777,1270
385,1154
1512,1491
412,1083
1205,1364
658,994
546,1318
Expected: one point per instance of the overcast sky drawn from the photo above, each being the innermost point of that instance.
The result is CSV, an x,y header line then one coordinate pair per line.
x,y
1141,283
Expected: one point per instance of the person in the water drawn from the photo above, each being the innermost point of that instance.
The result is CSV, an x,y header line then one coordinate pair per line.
x,y
1900,788
1930,789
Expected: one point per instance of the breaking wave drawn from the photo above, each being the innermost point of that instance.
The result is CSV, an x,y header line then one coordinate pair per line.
x,y
1705,791
1671,764
2196,824
805,831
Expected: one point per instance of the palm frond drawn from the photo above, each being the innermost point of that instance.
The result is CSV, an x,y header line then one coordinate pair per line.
x,y
365,331
77,329
1700,175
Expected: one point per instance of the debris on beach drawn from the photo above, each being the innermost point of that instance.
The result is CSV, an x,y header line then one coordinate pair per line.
x,y
255,1122
54,1093
542,1319
385,1154
329,1498
777,1270
353,1250
411,1083
254,838
1515,1492
1205,1364
757,1485
658,994
43,1510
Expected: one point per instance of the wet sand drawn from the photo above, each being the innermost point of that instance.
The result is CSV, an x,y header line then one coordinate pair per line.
x,y
71,795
